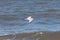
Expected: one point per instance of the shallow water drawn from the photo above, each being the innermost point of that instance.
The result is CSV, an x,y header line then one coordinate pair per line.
x,y
46,14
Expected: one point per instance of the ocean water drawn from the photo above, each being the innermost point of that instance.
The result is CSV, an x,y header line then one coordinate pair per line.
x,y
46,14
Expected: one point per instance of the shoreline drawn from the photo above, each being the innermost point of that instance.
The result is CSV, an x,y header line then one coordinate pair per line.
x,y
33,36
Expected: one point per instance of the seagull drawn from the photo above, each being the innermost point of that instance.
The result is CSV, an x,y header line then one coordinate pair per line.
x,y
30,19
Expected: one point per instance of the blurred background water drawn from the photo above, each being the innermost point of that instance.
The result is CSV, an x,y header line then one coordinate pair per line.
x,y
46,14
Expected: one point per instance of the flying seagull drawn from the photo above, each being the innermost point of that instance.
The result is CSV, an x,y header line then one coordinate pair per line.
x,y
30,19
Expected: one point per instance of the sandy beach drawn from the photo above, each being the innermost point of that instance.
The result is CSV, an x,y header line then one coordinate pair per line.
x,y
33,36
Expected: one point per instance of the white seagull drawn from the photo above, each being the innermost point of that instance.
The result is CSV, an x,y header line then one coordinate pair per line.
x,y
30,19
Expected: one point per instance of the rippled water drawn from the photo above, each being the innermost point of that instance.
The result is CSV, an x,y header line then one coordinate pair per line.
x,y
46,14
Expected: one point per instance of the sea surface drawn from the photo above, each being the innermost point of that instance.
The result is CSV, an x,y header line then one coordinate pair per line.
x,y
46,15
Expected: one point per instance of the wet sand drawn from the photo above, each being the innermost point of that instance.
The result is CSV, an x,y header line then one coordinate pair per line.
x,y
33,36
